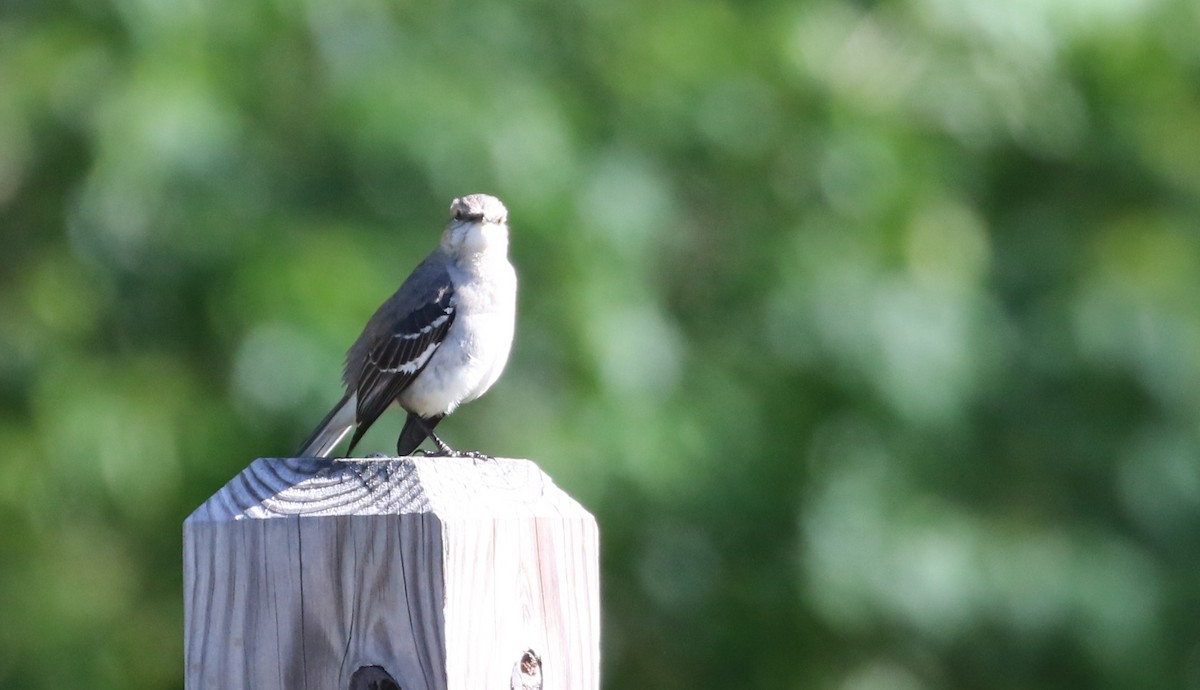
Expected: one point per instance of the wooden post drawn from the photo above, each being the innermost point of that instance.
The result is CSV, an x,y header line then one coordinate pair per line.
x,y
411,573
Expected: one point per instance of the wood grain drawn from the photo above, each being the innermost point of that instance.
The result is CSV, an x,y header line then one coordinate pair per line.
x,y
441,571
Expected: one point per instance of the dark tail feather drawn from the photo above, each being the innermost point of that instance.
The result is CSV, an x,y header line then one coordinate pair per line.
x,y
416,430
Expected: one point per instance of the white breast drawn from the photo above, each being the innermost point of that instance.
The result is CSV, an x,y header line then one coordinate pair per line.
x,y
476,348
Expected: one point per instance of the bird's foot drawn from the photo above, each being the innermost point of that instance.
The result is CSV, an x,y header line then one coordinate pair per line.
x,y
449,452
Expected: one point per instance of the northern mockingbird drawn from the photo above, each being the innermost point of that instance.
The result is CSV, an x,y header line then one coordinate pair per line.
x,y
440,341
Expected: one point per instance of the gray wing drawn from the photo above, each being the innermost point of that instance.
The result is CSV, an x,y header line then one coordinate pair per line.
x,y
399,341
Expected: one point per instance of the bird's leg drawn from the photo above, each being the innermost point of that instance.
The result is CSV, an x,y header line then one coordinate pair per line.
x,y
443,449
442,446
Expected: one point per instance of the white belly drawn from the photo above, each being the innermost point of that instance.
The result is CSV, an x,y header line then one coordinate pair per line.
x,y
464,367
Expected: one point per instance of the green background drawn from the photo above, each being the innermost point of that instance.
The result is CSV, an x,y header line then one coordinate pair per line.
x,y
870,332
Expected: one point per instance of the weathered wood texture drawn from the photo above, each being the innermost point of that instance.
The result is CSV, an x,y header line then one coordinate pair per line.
x,y
444,573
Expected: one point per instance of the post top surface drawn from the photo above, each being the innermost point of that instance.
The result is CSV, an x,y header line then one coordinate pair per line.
x,y
446,487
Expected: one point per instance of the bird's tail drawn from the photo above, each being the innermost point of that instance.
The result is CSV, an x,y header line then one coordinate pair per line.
x,y
416,430
331,430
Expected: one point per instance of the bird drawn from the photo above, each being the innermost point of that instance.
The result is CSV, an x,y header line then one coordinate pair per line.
x,y
441,340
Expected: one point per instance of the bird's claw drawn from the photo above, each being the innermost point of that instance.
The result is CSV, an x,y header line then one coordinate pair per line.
x,y
451,453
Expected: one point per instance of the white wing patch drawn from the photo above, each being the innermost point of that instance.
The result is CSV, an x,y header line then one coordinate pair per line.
x,y
426,329
413,365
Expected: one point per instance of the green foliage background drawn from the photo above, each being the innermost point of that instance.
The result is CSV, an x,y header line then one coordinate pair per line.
x,y
869,331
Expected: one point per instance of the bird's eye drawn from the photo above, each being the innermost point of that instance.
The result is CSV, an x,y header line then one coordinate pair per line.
x,y
465,215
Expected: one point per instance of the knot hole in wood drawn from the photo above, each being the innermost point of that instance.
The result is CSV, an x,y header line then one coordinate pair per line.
x,y
373,678
527,672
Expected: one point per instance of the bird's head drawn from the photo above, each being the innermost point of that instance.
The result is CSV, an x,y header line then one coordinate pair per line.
x,y
478,226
